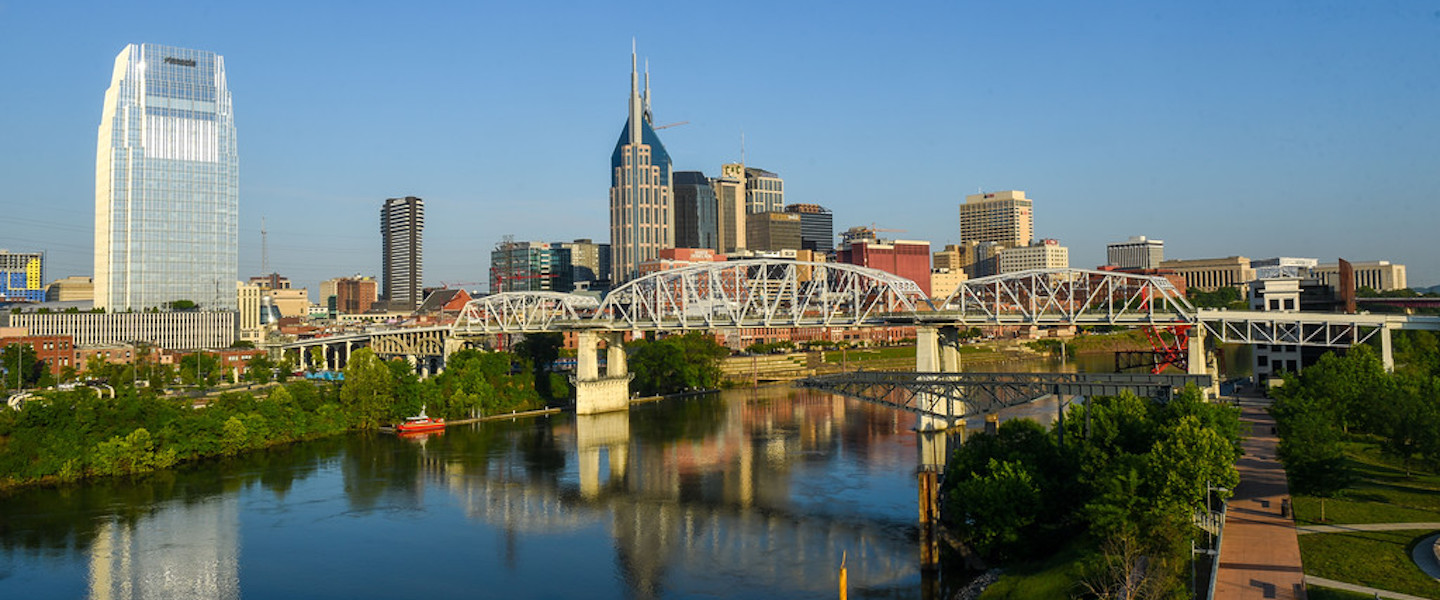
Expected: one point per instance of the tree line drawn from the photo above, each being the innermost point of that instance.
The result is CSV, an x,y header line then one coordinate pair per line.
x,y
1352,397
63,436
1125,492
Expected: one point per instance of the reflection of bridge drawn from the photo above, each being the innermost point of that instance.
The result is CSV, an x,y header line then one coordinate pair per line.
x,y
659,524
784,294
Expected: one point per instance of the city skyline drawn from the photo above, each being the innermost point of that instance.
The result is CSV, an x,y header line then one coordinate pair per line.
x,y
1222,129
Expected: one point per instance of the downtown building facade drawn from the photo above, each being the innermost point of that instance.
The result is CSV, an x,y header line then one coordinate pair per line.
x,y
817,227
22,276
166,182
642,215
402,223
730,208
764,191
696,213
530,267
1138,252
589,263
1006,218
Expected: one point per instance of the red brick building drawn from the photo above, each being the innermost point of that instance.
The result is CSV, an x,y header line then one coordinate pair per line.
x,y
906,258
56,351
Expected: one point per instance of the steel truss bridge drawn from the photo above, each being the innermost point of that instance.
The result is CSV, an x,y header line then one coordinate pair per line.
x,y
774,293
958,396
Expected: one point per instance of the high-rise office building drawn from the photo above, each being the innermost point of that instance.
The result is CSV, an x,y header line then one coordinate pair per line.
x,y
167,198
695,211
1138,252
402,221
22,276
773,231
642,213
817,227
1044,254
1005,218
730,207
530,267
764,191
589,263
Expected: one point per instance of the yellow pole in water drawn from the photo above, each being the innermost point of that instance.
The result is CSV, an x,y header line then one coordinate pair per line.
x,y
842,576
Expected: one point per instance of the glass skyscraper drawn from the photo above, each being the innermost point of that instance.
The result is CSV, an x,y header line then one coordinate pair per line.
x,y
167,196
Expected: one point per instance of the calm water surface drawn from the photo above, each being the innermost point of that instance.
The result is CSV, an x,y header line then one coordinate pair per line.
x,y
750,493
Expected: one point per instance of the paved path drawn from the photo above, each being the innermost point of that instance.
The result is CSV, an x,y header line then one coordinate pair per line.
x,y
1260,552
1304,529
1359,589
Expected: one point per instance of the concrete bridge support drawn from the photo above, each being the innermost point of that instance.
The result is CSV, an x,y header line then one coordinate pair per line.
x,y
596,393
1387,354
608,432
1198,361
937,350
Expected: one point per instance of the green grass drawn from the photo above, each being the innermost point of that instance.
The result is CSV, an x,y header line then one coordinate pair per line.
x,y
1054,577
1383,494
1379,559
887,352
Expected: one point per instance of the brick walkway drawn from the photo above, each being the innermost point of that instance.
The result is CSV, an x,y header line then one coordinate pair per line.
x,y
1260,553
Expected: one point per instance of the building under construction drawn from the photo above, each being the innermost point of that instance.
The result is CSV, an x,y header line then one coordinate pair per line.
x,y
530,267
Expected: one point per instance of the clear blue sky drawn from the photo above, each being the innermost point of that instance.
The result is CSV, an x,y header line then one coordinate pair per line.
x,y
1275,128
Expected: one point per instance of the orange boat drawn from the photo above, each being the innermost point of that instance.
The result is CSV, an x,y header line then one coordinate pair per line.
x,y
420,423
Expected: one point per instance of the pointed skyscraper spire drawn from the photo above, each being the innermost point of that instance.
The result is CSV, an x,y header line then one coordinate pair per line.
x,y
649,118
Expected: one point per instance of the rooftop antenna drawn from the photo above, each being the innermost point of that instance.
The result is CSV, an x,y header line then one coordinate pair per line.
x,y
264,249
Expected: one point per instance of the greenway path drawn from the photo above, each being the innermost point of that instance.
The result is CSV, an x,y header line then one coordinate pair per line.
x,y
1260,551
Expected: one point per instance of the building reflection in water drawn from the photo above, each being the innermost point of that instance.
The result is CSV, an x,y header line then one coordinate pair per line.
x,y
179,550
699,493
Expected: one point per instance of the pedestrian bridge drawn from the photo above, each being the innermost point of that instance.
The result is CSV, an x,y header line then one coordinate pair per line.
x,y
774,293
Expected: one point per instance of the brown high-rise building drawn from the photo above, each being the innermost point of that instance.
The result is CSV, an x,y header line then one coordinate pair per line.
x,y
1005,218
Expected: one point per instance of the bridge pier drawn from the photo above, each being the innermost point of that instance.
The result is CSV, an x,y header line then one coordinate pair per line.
x,y
1387,354
937,350
1197,361
609,432
596,393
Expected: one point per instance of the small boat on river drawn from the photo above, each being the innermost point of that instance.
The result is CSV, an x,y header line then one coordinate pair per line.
x,y
419,423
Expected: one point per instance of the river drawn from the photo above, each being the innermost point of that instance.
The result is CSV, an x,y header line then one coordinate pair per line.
x,y
749,493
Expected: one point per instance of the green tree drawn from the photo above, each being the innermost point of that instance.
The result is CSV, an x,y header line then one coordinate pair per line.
x,y
541,350
997,506
22,368
368,387
260,369
676,363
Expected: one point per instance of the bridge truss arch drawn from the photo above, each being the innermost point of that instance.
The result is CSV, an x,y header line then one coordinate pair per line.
x,y
1065,297
522,312
759,293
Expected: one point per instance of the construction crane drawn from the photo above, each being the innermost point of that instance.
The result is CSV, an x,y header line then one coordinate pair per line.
x,y
448,285
670,125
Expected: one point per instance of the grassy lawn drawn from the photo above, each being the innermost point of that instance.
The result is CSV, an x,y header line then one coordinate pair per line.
x,y
1379,559
858,355
1383,494
1054,577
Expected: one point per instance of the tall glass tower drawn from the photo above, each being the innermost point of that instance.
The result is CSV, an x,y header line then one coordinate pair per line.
x,y
642,216
167,196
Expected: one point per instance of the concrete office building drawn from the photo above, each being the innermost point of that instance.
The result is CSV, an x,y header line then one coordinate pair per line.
x,y
696,211
1138,252
817,227
764,191
642,212
181,330
589,263
71,289
1378,275
22,276
1045,254
530,267
773,231
402,223
730,208
167,198
349,295
1210,274
1006,218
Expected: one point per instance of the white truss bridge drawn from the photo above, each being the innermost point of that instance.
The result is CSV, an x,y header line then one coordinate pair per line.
x,y
784,293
